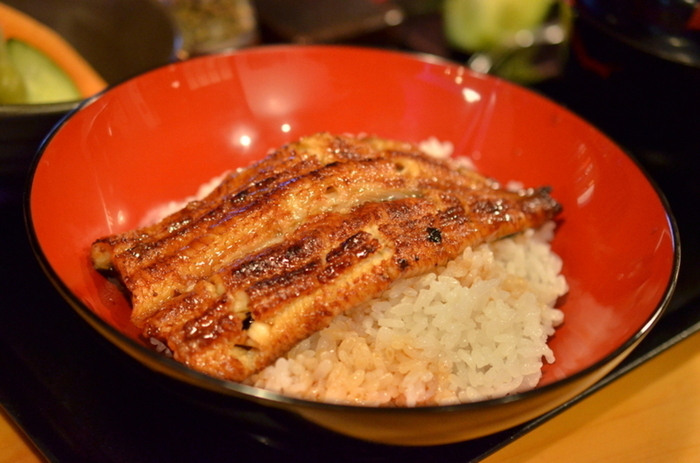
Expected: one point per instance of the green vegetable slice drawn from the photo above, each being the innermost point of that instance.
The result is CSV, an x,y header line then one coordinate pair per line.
x,y
44,80
12,89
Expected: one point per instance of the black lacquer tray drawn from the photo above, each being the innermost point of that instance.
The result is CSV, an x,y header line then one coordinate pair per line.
x,y
79,399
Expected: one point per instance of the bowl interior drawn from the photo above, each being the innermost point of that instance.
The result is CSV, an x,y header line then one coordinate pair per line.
x,y
160,136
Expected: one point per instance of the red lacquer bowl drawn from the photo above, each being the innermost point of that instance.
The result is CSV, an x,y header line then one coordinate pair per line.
x,y
161,135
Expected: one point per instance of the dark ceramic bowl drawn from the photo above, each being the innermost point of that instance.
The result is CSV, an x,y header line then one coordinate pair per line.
x,y
120,39
161,135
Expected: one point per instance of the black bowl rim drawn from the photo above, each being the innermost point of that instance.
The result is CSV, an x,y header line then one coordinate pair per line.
x,y
42,109
242,391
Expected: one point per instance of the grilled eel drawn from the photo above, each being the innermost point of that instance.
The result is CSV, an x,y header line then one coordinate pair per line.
x,y
232,282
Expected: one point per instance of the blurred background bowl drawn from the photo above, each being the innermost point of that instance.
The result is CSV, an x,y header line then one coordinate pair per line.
x,y
120,39
667,29
641,58
158,137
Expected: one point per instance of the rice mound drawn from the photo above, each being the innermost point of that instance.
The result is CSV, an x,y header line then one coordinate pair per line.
x,y
474,329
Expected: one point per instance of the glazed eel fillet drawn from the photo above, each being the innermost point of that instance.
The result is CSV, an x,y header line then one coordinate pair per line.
x,y
232,282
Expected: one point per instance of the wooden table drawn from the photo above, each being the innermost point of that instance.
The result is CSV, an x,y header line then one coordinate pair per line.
x,y
650,415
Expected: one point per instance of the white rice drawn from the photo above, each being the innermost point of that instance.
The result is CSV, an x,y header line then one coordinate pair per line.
x,y
472,330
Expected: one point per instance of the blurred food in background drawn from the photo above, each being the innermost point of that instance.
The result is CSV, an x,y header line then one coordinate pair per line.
x,y
38,66
212,26
523,41
477,25
56,53
324,21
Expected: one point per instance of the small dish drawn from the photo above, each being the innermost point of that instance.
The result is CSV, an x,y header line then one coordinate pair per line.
x,y
119,39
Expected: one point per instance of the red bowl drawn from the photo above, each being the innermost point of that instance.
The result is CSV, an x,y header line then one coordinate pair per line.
x,y
158,137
